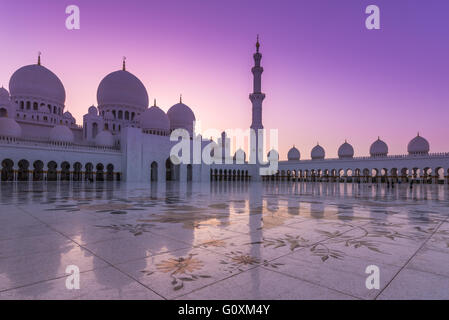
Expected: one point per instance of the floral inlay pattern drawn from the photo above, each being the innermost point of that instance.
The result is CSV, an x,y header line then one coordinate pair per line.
x,y
238,260
136,230
181,270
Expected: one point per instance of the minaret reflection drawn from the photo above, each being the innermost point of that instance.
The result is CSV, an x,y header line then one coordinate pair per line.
x,y
255,202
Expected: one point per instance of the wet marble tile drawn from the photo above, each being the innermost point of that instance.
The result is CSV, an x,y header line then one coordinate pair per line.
x,y
262,284
180,272
429,260
412,284
134,247
35,244
198,236
37,267
100,284
335,270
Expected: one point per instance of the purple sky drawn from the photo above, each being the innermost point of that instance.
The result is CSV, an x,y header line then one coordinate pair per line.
x,y
327,78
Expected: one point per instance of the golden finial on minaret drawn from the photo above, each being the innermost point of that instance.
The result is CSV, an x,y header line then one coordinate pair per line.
x,y
39,58
257,44
124,64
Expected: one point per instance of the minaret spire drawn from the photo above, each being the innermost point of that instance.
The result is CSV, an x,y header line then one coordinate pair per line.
x,y
257,44
257,98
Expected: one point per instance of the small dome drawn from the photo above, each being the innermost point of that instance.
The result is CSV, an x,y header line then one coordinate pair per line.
x,y
181,116
418,145
104,139
92,111
108,116
4,94
345,151
154,118
293,154
274,153
61,133
67,115
38,82
122,88
378,148
317,152
10,128
240,155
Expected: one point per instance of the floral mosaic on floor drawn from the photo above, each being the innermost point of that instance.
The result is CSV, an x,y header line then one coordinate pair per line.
x,y
313,240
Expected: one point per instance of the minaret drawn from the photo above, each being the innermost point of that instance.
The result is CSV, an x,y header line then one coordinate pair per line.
x,y
257,96
256,99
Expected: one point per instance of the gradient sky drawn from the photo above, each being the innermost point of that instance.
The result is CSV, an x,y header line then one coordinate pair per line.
x,y
327,78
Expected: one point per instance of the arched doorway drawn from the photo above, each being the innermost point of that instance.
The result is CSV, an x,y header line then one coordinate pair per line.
x,y
38,173
22,174
189,172
52,174
168,170
89,174
100,172
65,171
77,171
154,171
110,172
7,170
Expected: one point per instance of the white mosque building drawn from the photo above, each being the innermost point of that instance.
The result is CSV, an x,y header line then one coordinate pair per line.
x,y
122,138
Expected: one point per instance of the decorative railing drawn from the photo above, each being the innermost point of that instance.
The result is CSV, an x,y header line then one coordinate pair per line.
x,y
392,157
56,145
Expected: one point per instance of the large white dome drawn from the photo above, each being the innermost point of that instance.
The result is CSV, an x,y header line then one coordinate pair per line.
x,y
10,128
345,151
293,154
317,152
378,148
122,88
155,118
61,133
181,116
418,145
38,82
104,139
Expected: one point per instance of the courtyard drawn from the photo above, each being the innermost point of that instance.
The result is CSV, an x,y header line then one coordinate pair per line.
x,y
223,240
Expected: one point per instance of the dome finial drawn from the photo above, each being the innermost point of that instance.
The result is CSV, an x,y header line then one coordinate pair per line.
x,y
418,133
180,98
39,58
124,64
257,44
155,102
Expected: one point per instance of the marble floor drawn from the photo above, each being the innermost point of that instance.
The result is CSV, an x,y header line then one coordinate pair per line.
x,y
223,240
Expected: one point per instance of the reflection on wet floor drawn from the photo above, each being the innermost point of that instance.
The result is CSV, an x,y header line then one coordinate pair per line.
x,y
223,240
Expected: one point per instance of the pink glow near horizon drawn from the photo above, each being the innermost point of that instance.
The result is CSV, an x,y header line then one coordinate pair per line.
x,y
326,77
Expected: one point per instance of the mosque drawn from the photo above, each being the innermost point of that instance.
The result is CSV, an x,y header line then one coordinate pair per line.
x,y
122,138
